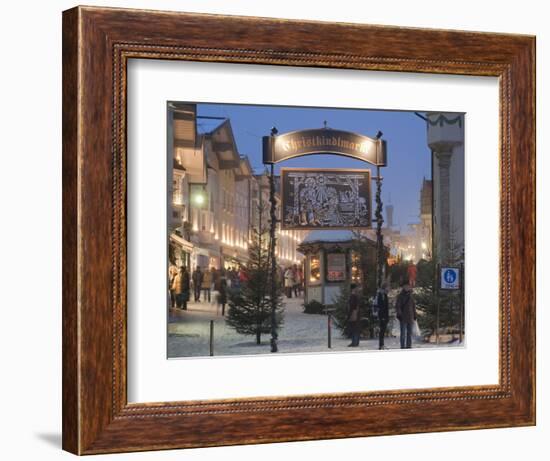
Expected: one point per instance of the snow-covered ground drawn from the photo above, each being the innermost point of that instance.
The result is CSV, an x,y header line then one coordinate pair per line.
x,y
189,334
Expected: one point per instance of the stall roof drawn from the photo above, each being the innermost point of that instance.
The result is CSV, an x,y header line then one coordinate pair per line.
x,y
330,236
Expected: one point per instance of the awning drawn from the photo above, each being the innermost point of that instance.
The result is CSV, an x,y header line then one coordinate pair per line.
x,y
184,244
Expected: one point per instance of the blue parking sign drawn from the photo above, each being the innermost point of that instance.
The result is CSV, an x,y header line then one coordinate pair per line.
x,y
450,278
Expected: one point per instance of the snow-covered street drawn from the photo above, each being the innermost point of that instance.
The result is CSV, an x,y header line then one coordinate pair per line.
x,y
189,334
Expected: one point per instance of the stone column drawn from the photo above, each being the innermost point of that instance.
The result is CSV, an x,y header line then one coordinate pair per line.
x,y
443,156
445,135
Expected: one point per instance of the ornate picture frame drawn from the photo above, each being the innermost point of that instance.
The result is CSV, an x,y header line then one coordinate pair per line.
x,y
97,44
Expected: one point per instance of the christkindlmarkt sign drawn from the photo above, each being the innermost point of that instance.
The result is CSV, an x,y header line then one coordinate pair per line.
x,y
324,141
325,198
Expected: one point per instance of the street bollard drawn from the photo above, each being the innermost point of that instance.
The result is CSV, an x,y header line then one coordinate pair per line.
x,y
211,338
329,325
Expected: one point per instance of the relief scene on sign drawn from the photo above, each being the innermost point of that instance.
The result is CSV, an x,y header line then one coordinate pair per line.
x,y
326,199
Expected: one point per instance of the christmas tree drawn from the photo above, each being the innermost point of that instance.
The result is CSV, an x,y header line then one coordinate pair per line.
x,y
250,308
437,307
341,310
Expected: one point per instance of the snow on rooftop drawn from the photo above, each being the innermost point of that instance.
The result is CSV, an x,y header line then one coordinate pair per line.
x,y
328,236
341,235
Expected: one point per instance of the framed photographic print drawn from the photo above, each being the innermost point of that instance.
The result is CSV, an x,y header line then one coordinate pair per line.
x,y
286,230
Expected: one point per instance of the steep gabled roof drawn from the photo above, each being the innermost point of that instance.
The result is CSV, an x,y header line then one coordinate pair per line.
x,y
224,145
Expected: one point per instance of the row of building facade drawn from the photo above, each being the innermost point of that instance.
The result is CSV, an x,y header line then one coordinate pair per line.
x,y
216,199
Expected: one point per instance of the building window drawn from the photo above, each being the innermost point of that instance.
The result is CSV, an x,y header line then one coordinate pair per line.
x,y
176,192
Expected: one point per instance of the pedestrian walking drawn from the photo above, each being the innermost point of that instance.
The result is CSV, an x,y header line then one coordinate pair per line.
x,y
289,282
411,274
383,313
405,309
221,288
181,287
213,287
301,278
172,273
197,283
297,281
280,277
353,319
243,278
206,284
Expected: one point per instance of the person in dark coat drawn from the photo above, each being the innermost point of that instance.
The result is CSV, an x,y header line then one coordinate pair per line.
x,y
383,313
354,316
197,283
221,288
405,309
206,285
181,286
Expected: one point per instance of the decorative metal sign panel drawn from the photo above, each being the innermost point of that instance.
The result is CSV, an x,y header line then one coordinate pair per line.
x,y
324,140
325,198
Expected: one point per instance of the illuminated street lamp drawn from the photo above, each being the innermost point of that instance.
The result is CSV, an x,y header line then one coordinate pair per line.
x,y
199,198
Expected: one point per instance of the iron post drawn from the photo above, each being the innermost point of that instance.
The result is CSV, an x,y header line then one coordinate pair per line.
x,y
211,338
272,242
379,222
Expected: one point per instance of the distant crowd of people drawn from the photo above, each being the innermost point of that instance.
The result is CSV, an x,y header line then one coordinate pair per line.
x,y
212,284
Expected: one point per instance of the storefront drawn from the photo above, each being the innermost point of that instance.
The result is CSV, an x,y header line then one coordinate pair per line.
x,y
180,251
206,257
233,258
332,261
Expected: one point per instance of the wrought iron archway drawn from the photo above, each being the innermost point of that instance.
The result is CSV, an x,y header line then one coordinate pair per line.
x,y
280,147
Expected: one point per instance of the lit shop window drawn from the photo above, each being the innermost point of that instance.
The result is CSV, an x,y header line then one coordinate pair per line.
x,y
355,267
314,268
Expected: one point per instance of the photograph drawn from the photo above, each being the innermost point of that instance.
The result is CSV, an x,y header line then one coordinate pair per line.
x,y
313,229
278,224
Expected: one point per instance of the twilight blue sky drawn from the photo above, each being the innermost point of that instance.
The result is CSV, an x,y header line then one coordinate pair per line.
x,y
405,133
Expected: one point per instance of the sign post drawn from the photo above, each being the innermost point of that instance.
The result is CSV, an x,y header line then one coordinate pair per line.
x,y
450,281
450,278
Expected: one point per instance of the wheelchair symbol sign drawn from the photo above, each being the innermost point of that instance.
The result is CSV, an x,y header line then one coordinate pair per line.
x,y
450,278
